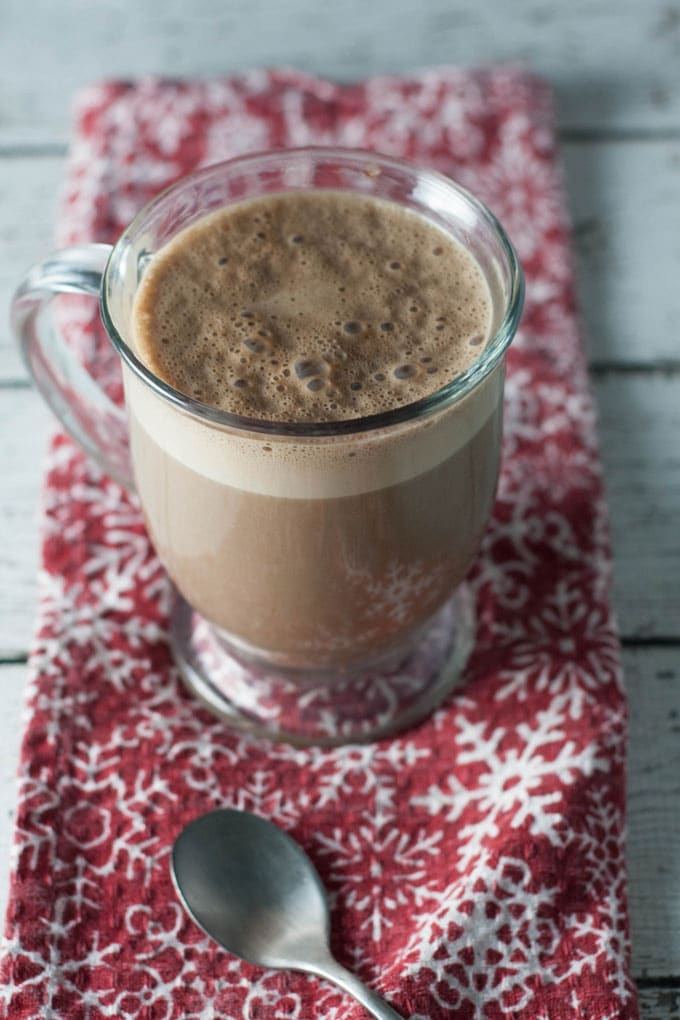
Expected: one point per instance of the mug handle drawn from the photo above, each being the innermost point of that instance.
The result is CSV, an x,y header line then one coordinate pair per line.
x,y
83,408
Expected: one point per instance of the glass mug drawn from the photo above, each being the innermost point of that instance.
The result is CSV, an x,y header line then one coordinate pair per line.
x,y
319,568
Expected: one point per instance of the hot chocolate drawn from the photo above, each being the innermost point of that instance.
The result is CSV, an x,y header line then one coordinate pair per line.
x,y
310,307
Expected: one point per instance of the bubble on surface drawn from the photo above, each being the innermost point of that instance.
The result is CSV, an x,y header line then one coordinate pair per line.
x,y
305,367
260,345
359,324
405,371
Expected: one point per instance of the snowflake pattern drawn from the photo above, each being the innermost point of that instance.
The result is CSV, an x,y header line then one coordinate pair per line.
x,y
475,864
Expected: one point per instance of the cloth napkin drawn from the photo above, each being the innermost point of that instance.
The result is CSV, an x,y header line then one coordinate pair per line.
x,y
475,863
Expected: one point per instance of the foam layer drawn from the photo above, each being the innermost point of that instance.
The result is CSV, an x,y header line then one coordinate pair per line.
x,y
311,306
320,468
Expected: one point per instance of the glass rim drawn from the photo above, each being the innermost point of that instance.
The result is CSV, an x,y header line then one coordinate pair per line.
x,y
450,393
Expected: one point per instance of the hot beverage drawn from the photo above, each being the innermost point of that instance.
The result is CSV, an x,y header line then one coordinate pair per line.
x,y
314,307
312,345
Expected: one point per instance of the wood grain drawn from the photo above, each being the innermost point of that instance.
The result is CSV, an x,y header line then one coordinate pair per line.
x,y
653,685
659,1003
28,200
625,52
640,441
627,252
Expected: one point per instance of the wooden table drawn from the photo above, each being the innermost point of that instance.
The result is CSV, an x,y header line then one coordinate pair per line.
x,y
615,66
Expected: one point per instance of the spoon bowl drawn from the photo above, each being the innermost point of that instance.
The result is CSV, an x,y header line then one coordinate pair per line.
x,y
254,890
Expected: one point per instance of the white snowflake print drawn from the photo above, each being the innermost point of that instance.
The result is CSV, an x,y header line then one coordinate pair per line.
x,y
514,777
379,872
397,593
486,940
475,864
569,648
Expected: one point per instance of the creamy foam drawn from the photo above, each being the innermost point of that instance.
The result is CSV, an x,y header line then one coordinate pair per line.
x,y
311,306
313,468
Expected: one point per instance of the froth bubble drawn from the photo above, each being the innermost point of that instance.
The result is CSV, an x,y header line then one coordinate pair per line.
x,y
475,340
256,345
353,328
387,327
315,384
405,371
306,368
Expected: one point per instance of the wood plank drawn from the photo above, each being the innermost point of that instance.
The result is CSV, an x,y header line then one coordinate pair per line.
x,y
659,1003
614,64
639,424
28,199
653,685
627,253
640,430
630,302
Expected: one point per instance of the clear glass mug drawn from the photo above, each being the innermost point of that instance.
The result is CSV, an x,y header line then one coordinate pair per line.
x,y
318,567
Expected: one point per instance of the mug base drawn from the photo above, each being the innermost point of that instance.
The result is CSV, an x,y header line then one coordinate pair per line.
x,y
324,708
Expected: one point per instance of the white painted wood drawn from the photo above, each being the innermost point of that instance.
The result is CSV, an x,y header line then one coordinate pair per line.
x,y
23,428
12,683
640,437
28,204
624,201
628,291
659,1003
653,685
614,63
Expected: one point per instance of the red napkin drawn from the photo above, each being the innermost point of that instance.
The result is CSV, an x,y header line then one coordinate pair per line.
x,y
476,862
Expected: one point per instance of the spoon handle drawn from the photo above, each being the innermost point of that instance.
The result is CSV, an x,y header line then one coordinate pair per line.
x,y
344,979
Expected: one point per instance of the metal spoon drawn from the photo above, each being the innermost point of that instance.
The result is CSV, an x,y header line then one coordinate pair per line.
x,y
253,889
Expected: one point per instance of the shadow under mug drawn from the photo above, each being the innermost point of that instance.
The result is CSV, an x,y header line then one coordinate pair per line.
x,y
318,567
